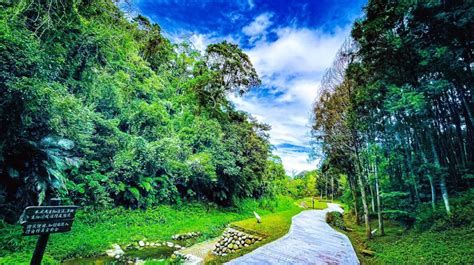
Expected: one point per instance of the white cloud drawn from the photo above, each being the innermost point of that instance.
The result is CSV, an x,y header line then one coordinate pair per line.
x,y
199,40
258,27
297,51
251,4
291,67
295,162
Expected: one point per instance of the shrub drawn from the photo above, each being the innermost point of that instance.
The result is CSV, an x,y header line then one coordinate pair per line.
x,y
335,219
461,213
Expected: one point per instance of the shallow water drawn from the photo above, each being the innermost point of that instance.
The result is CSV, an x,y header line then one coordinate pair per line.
x,y
158,253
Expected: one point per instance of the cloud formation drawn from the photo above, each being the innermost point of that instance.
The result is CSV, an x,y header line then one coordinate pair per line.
x,y
257,29
291,67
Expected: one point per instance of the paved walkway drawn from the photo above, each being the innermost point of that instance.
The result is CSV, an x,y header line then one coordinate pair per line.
x,y
310,241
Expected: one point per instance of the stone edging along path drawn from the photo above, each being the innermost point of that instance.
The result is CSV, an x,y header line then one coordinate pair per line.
x,y
310,241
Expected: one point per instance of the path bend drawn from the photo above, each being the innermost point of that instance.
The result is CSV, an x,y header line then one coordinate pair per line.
x,y
310,241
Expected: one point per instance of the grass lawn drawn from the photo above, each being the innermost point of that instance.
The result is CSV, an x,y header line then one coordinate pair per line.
x,y
273,226
94,231
308,203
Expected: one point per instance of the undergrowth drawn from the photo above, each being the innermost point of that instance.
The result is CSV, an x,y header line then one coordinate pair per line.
x,y
94,231
434,237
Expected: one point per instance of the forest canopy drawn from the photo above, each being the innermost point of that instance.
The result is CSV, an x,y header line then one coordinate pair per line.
x,y
395,113
103,110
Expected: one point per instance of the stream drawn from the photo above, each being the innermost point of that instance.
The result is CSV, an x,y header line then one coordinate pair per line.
x,y
133,254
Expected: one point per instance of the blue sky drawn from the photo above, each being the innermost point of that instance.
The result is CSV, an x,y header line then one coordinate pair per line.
x,y
290,43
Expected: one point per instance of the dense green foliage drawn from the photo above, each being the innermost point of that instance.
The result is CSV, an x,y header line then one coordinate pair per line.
x,y
335,219
396,111
96,230
447,240
104,111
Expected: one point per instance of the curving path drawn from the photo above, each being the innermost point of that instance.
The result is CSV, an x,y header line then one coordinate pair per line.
x,y
310,241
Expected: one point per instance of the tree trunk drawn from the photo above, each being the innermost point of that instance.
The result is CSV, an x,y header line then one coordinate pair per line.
x,y
332,188
368,231
353,185
364,199
433,192
379,204
409,160
430,177
371,190
326,187
442,179
372,200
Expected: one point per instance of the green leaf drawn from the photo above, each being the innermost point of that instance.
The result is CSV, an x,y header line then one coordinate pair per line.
x,y
135,192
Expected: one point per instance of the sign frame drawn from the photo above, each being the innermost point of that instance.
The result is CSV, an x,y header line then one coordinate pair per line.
x,y
45,220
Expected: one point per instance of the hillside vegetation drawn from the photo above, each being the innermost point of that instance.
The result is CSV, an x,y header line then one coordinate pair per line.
x,y
103,111
395,119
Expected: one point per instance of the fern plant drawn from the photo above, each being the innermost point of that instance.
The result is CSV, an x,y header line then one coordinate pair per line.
x,y
43,166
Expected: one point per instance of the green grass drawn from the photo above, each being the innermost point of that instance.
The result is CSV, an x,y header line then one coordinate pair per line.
x,y
94,231
448,240
308,203
273,226
401,246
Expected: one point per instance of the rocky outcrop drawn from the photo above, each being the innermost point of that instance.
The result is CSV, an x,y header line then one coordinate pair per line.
x,y
233,240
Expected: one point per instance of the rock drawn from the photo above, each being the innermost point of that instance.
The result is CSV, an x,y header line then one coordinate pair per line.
x,y
248,242
231,246
170,244
147,243
158,244
246,245
236,247
141,243
116,250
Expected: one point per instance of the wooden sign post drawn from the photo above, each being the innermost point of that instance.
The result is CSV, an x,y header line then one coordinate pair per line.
x,y
44,220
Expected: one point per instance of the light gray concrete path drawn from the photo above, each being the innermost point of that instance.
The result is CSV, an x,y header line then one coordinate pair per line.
x,y
310,241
